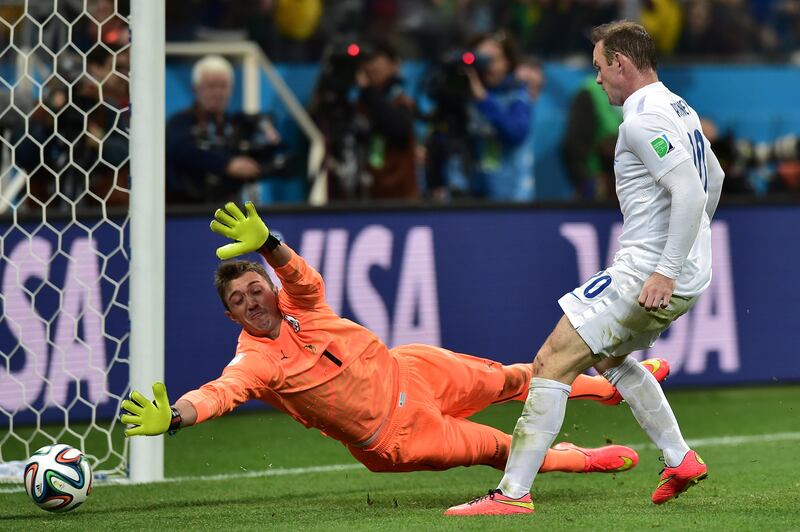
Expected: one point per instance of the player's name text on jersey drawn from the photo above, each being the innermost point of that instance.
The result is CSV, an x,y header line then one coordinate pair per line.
x,y
680,107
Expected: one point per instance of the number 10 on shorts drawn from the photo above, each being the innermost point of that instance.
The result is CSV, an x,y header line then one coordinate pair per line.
x,y
594,286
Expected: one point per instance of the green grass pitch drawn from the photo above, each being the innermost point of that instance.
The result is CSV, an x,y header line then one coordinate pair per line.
x,y
257,477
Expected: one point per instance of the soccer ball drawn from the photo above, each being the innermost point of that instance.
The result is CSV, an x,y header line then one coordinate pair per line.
x,y
58,478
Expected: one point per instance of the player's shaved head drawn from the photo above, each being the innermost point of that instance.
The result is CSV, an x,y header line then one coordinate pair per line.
x,y
629,39
233,269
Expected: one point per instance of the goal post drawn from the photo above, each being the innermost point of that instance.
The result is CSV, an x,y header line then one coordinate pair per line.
x,y
147,215
81,251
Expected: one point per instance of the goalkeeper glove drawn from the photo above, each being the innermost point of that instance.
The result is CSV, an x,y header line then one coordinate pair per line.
x,y
249,231
149,418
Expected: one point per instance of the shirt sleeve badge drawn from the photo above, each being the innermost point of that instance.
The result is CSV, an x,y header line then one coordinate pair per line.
x,y
661,145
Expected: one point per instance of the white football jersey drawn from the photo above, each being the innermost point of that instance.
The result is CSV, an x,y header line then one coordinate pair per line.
x,y
658,132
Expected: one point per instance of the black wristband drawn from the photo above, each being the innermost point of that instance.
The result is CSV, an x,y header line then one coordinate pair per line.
x,y
271,243
175,422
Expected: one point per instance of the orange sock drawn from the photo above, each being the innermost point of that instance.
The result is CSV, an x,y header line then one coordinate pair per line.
x,y
592,388
566,460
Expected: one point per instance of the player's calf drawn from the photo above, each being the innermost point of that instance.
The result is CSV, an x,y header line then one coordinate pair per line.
x,y
660,369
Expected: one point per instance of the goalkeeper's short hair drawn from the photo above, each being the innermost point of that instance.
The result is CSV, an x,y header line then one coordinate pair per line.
x,y
229,270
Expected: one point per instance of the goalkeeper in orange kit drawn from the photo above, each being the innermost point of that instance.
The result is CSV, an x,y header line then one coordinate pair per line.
x,y
399,409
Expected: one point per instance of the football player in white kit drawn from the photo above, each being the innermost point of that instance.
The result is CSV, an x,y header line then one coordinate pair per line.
x,y
668,183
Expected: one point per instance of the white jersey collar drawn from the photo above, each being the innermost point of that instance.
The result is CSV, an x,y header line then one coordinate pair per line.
x,y
634,101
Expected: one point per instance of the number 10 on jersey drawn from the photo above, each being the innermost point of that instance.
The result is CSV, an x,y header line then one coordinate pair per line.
x,y
699,156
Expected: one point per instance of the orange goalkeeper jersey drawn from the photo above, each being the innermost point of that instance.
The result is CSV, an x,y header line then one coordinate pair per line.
x,y
323,370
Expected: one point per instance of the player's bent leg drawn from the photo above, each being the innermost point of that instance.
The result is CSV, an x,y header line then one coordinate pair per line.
x,y
648,404
560,360
563,356
651,409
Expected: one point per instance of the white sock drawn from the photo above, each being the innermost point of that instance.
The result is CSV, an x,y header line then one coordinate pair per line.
x,y
650,408
533,435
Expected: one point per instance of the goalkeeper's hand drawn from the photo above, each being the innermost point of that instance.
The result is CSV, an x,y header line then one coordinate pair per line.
x,y
149,418
249,231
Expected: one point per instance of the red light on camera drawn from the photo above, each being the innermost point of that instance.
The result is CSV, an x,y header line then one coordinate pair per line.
x,y
468,58
353,50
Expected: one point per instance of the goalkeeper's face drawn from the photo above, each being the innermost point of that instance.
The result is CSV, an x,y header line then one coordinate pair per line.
x,y
253,304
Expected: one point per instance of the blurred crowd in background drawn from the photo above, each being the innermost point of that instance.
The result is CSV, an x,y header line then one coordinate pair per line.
x,y
467,133
298,30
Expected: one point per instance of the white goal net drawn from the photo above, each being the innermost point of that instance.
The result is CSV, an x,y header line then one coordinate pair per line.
x,y
65,257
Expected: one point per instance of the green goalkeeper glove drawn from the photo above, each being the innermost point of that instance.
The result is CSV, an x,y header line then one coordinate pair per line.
x,y
149,419
249,231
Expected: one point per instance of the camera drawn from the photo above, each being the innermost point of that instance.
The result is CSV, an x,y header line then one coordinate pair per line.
x,y
450,163
449,79
448,87
333,108
341,60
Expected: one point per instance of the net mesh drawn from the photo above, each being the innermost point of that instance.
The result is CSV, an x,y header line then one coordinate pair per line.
x,y
64,271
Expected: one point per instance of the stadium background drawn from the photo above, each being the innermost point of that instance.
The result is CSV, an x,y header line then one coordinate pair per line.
x,y
421,272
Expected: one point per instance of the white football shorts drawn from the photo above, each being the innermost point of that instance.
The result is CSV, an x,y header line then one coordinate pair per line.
x,y
606,313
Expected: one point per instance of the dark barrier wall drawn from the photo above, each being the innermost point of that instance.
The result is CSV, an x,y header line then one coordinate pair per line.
x,y
483,282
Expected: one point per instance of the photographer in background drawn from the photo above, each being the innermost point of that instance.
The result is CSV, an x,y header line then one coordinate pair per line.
x,y
499,122
211,153
389,114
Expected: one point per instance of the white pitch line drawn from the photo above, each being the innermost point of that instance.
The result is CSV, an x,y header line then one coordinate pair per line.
x,y
730,440
276,472
720,441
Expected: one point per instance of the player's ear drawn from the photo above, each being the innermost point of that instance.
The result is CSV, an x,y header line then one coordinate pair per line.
x,y
624,62
231,317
